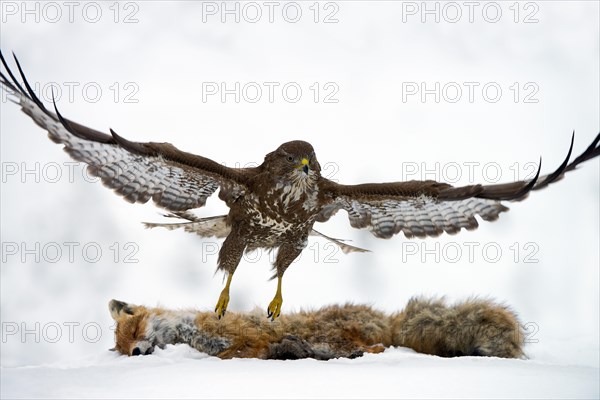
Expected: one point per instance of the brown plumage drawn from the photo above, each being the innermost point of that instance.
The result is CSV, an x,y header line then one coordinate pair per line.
x,y
276,204
471,328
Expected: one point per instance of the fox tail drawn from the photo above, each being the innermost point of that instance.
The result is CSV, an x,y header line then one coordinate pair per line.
x,y
475,327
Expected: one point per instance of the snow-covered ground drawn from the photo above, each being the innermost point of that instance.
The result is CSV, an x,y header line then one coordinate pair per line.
x,y
146,69
181,372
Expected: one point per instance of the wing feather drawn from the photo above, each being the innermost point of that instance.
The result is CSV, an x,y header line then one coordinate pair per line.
x,y
428,208
138,172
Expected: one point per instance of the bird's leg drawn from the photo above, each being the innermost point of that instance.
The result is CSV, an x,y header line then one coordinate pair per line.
x,y
221,306
229,257
275,306
285,256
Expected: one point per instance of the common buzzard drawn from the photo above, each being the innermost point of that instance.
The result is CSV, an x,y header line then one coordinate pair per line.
x,y
276,204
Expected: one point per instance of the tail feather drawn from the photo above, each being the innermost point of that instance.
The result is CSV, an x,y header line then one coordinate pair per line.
x,y
346,248
190,216
204,227
217,227
475,327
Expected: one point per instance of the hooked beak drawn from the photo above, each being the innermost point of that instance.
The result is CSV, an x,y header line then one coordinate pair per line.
x,y
304,166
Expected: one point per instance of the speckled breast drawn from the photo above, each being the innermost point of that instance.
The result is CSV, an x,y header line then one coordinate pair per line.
x,y
279,216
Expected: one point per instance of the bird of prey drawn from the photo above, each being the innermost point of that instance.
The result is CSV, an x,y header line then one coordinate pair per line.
x,y
276,204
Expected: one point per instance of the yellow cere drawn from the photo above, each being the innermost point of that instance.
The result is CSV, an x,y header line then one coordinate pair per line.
x,y
304,161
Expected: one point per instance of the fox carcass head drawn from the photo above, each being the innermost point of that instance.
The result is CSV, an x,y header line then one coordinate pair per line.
x,y
130,332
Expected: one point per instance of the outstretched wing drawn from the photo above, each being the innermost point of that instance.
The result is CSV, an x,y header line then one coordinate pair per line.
x,y
429,208
173,179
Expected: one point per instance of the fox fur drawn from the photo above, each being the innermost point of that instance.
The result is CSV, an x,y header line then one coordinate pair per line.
x,y
475,327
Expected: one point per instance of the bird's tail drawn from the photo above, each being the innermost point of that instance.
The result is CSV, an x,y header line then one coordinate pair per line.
x,y
217,227
475,327
346,248
206,227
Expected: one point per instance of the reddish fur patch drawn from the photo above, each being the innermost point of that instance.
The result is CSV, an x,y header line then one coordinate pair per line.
x,y
130,329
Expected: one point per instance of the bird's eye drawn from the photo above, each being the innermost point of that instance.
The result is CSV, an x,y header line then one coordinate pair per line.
x,y
290,158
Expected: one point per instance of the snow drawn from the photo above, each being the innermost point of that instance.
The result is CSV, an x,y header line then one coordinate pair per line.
x,y
547,269
180,372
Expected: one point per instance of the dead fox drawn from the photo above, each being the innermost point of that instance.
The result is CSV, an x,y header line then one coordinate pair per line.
x,y
472,328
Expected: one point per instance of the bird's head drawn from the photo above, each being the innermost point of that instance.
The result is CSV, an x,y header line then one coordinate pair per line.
x,y
295,161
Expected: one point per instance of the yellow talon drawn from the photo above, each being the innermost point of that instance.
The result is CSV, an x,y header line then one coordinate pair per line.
x,y
221,306
274,309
